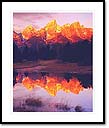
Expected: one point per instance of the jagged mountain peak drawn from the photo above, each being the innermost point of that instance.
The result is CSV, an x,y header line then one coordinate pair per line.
x,y
52,32
29,31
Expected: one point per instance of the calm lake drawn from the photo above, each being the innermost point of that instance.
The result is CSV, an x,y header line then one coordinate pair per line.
x,y
52,92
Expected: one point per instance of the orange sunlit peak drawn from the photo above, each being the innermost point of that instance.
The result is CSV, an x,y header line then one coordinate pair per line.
x,y
29,31
73,32
51,24
76,24
29,27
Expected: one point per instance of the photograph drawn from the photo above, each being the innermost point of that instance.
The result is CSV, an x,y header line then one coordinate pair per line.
x,y
52,62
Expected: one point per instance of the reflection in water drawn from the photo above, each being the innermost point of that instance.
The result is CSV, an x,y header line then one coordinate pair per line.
x,y
54,83
52,92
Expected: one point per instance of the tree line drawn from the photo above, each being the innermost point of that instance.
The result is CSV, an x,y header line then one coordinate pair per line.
x,y
80,52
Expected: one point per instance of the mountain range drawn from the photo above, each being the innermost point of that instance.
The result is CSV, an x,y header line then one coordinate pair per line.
x,y
54,33
70,42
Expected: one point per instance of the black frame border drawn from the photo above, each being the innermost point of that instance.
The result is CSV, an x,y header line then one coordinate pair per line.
x,y
104,77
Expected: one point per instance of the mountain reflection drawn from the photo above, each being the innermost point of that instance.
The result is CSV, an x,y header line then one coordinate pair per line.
x,y
52,83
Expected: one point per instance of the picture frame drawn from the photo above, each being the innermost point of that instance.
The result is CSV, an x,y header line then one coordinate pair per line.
x,y
97,116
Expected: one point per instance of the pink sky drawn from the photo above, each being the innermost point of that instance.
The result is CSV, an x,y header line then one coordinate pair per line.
x,y
39,20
